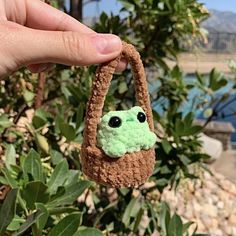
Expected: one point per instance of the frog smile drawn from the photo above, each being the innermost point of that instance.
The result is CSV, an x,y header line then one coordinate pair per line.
x,y
129,119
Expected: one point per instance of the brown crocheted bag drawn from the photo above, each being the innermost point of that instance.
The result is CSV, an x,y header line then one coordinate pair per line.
x,y
131,169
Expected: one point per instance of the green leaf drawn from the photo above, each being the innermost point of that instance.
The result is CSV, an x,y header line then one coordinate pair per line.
x,y
175,227
67,226
15,224
35,192
179,127
131,211
28,223
164,217
124,191
188,119
40,118
186,129
33,166
56,156
10,156
186,226
61,210
138,219
58,177
7,211
200,78
162,182
72,192
42,143
4,121
122,87
29,97
42,220
165,170
193,130
166,146
88,232
3,180
216,80
184,159
38,122
79,115
10,180
72,177
68,131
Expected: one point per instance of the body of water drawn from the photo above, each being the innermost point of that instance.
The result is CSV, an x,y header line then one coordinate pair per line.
x,y
196,94
225,109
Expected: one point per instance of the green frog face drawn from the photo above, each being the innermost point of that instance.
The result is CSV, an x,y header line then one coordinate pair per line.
x,y
121,132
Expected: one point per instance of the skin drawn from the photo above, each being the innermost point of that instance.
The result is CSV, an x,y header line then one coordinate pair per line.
x,y
131,136
34,34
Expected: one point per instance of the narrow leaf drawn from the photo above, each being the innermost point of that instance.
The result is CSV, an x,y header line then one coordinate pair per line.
x,y
33,166
42,220
30,221
72,192
88,232
58,177
10,156
67,226
10,180
7,211
175,227
131,210
164,217
166,146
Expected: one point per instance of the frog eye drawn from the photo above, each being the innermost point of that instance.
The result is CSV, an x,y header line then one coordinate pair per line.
x,y
115,122
141,117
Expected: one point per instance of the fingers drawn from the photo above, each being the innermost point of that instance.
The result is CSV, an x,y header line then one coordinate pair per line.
x,y
70,48
39,15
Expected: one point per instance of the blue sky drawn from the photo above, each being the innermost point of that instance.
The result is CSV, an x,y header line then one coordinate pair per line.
x,y
92,9
222,5
108,6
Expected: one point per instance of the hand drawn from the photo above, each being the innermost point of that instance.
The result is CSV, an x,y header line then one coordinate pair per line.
x,y
34,34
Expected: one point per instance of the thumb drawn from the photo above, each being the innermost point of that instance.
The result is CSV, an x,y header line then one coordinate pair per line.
x,y
70,48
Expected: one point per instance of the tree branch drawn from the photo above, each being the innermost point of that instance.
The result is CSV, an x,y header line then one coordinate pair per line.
x,y
40,91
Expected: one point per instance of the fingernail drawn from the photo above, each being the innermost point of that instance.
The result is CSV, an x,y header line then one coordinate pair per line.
x,y
106,43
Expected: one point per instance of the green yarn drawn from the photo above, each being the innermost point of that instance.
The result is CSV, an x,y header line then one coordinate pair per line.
x,y
131,136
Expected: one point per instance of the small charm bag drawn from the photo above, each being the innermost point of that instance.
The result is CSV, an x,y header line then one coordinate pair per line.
x,y
118,148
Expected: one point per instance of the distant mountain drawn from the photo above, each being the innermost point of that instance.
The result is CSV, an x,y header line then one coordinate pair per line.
x,y
221,21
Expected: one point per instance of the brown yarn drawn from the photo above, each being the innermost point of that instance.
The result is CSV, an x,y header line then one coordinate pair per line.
x,y
132,169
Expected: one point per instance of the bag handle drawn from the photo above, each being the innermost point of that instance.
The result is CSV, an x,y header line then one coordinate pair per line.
x,y
101,85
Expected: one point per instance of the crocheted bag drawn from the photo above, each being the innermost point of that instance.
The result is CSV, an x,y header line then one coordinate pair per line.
x,y
136,162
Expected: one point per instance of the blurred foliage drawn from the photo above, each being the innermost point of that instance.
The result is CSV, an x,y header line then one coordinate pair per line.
x,y
45,190
156,28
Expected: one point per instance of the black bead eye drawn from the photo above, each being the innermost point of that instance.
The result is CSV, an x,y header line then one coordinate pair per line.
x,y
115,122
141,117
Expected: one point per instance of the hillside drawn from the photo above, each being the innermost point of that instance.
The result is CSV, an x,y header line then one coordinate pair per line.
x,y
223,22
